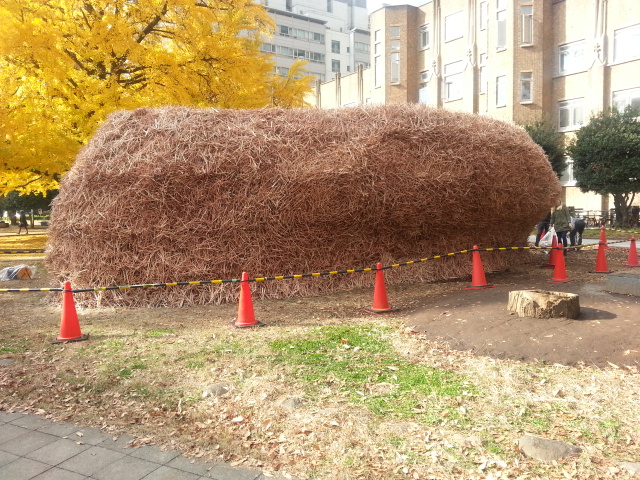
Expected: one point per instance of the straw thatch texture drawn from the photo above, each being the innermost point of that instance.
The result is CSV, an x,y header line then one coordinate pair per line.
x,y
174,194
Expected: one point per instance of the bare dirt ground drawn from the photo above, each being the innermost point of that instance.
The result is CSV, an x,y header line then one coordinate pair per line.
x,y
607,331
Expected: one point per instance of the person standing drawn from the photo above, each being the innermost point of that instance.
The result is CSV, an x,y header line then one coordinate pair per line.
x,y
543,226
23,223
561,219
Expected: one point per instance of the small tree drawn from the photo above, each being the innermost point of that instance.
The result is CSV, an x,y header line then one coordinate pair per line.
x,y
552,142
606,158
13,201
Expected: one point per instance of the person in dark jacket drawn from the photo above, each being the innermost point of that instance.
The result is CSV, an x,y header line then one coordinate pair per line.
x,y
23,223
543,226
560,219
577,229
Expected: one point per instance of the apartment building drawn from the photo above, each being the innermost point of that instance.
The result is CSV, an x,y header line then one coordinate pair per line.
x,y
516,60
331,35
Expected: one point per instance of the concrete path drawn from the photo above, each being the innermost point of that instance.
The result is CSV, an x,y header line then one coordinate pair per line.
x,y
34,448
593,241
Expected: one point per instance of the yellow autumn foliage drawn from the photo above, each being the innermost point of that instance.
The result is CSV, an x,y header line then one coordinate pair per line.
x,y
66,64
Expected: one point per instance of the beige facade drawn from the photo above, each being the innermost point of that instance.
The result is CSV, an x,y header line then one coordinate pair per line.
x,y
516,60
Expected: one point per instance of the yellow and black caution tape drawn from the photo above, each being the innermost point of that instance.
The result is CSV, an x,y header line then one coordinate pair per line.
x,y
294,276
32,250
15,290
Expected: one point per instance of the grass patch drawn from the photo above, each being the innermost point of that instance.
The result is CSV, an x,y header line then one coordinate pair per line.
x,y
610,430
594,233
160,333
363,365
7,349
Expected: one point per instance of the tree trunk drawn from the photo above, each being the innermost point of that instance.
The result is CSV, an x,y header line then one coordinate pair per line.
x,y
543,304
622,209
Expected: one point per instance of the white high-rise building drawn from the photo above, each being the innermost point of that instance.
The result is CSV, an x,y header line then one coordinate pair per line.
x,y
331,35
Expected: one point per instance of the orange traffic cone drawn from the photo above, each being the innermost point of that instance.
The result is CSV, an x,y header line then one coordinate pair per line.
x,y
633,254
478,280
552,253
560,270
69,324
601,259
246,317
603,238
380,300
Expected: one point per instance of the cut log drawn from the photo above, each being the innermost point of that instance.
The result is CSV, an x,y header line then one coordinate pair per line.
x,y
543,304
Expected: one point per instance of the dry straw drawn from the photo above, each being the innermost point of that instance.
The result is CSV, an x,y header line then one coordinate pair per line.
x,y
176,194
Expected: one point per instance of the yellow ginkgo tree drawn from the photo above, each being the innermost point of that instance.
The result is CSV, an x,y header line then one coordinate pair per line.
x,y
67,64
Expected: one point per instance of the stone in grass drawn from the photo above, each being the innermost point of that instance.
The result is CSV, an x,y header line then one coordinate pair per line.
x,y
632,467
293,403
215,390
546,450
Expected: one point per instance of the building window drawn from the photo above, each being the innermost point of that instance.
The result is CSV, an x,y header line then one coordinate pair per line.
x,y
268,48
571,57
626,98
330,6
335,65
453,26
501,91
298,33
570,114
395,45
423,87
567,179
626,44
453,81
395,67
484,15
482,74
501,17
316,57
378,71
361,47
378,65
526,87
335,46
394,31
424,36
526,15
282,71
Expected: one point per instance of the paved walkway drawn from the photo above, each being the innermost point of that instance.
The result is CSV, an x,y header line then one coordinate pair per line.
x,y
34,448
592,241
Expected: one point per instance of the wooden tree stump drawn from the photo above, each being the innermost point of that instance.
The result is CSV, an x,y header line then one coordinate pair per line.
x,y
543,304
